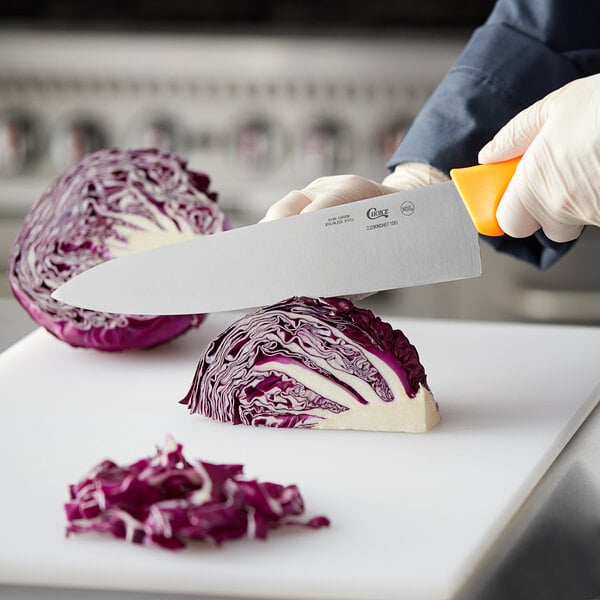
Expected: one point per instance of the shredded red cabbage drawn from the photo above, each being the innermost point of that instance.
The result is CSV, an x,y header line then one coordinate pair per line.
x,y
168,500
299,362
111,203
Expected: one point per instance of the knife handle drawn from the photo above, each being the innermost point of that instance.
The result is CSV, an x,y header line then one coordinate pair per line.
x,y
481,188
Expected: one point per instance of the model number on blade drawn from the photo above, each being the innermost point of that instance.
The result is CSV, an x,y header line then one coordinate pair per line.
x,y
382,225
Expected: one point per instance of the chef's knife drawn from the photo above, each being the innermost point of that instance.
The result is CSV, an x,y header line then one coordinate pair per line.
x,y
410,238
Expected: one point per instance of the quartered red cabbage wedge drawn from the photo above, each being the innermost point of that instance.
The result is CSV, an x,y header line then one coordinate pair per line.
x,y
313,363
109,204
168,500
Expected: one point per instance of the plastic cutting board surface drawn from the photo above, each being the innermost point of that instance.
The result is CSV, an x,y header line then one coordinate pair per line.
x,y
411,513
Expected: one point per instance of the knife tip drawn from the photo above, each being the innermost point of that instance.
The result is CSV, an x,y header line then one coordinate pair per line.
x,y
57,294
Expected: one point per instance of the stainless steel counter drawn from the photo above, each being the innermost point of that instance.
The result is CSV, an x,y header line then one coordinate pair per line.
x,y
551,550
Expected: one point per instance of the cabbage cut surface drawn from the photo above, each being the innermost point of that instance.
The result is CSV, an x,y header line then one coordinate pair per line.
x,y
110,204
313,363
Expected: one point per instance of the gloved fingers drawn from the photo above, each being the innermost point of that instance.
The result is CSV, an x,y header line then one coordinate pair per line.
x,y
325,198
336,190
521,212
325,192
516,214
514,219
341,189
518,222
561,232
517,135
291,204
329,198
411,175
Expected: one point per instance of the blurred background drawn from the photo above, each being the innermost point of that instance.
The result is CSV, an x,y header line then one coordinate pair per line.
x,y
264,96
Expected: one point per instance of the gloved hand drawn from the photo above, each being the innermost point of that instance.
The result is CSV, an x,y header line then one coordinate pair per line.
x,y
342,189
556,184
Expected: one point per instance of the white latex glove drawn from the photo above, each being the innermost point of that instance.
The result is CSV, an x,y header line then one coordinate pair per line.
x,y
342,189
557,183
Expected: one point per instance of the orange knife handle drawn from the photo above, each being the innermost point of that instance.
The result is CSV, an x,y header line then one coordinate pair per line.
x,y
481,188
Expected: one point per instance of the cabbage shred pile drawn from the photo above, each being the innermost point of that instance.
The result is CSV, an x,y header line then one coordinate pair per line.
x,y
111,203
167,500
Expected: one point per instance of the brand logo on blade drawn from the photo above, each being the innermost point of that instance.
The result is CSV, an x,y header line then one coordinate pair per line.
x,y
377,213
407,208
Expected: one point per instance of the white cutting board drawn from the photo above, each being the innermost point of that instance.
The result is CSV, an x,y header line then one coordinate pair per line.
x,y
411,513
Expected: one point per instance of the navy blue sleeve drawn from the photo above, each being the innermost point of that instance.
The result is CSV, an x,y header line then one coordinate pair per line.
x,y
525,50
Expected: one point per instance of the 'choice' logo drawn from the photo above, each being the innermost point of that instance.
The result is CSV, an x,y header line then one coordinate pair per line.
x,y
375,213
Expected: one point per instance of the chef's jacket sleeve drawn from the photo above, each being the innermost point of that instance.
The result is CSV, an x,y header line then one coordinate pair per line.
x,y
524,51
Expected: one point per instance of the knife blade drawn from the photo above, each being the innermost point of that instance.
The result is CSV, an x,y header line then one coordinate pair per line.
x,y
408,238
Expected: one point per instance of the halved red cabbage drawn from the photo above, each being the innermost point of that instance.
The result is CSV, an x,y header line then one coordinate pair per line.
x,y
313,363
167,500
111,203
